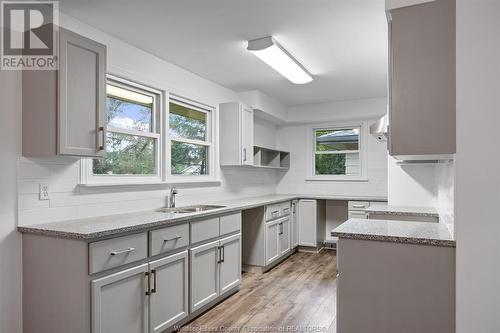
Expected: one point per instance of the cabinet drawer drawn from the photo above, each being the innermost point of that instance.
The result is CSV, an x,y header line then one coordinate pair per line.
x,y
115,252
272,212
168,239
358,205
285,208
230,223
357,214
204,229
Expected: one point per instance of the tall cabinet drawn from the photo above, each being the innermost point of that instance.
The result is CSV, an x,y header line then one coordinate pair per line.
x,y
236,121
422,80
64,110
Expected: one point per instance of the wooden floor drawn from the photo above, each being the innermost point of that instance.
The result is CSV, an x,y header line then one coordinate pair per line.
x,y
296,296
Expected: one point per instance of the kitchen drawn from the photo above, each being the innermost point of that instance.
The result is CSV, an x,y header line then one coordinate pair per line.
x,y
171,177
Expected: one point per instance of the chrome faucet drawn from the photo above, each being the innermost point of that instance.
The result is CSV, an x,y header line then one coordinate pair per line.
x,y
171,197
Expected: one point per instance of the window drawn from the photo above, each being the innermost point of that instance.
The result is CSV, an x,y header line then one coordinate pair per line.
x,y
336,153
190,135
133,135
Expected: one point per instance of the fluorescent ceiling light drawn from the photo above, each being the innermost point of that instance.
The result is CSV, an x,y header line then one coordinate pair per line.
x,y
273,54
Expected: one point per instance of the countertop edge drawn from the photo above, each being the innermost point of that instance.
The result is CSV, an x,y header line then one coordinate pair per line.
x,y
116,232
397,239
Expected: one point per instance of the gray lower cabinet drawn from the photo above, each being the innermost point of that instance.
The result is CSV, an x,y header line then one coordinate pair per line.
x,y
215,270
137,283
120,303
64,110
169,294
312,222
204,261
272,241
230,264
385,287
284,236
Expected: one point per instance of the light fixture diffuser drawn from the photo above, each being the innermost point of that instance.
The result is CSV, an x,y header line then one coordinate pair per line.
x,y
273,54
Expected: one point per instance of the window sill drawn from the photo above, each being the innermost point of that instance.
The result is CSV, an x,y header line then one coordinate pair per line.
x,y
213,182
335,179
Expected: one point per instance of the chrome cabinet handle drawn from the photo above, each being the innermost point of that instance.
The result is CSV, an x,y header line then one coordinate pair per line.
x,y
358,206
244,154
176,237
103,137
153,272
219,254
148,290
281,229
223,253
130,249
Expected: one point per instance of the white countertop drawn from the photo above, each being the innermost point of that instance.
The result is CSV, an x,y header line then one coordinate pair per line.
x,y
425,233
105,226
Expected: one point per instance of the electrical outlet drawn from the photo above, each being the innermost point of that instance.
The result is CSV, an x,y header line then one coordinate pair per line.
x,y
43,192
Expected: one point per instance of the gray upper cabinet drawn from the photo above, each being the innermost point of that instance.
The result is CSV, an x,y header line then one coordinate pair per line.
x,y
422,80
64,110
119,302
237,138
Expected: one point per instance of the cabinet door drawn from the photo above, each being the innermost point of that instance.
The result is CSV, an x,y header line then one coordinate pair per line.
x,y
307,222
247,135
230,263
295,226
120,303
272,241
81,96
422,79
284,236
169,293
204,275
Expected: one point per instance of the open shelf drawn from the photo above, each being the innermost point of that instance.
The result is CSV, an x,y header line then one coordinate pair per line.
x,y
270,158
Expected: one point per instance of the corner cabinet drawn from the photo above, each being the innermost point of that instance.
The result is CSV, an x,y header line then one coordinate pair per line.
x,y
422,103
64,110
236,140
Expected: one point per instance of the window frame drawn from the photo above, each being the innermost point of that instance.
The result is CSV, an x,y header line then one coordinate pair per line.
x,y
157,124
209,141
311,151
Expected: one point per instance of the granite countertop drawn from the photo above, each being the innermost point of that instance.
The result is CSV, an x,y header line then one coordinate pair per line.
x,y
403,210
91,229
425,233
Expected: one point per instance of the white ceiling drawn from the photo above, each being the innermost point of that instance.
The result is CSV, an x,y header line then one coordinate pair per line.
x,y
342,43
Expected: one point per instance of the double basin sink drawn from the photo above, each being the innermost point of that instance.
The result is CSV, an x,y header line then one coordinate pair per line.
x,y
189,209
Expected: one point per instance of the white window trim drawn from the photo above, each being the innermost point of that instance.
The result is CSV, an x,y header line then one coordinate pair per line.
x,y
86,175
311,144
210,141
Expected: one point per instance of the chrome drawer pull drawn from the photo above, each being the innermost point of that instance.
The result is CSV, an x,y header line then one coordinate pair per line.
x,y
176,237
130,249
358,206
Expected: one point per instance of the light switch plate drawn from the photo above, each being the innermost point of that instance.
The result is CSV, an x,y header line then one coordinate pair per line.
x,y
43,191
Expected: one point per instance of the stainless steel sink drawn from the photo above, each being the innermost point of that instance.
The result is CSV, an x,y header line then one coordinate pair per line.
x,y
190,209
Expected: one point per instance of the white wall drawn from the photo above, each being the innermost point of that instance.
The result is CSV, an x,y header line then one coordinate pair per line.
x,y
68,201
477,225
294,139
10,239
411,185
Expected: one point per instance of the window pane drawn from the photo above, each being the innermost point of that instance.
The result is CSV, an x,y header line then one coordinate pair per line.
x,y
337,164
338,139
127,155
129,109
187,123
189,159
